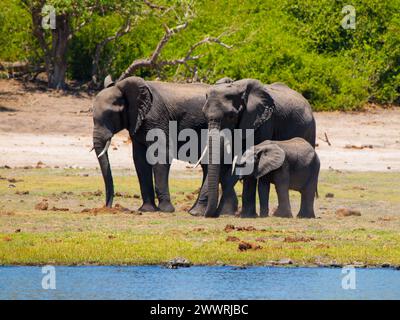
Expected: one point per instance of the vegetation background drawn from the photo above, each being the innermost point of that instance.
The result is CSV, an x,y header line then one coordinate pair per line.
x,y
299,42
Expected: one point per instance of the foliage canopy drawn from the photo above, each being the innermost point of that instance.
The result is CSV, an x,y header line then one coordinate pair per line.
x,y
299,42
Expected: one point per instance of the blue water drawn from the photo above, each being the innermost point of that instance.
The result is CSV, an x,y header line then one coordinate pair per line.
x,y
154,282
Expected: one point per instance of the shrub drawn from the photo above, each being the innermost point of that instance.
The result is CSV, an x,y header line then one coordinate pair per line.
x,y
297,42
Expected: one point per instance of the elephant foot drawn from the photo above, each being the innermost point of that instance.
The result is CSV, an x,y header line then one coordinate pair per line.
x,y
248,213
228,208
283,213
264,212
166,206
148,207
198,210
211,215
305,215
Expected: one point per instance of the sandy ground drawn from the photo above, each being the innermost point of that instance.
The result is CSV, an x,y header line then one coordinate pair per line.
x,y
55,128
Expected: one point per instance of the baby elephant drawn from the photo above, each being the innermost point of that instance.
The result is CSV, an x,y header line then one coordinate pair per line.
x,y
291,164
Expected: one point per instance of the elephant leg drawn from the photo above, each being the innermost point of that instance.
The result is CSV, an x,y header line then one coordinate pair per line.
x,y
249,198
282,189
307,198
263,195
229,202
161,174
309,192
145,175
200,206
307,204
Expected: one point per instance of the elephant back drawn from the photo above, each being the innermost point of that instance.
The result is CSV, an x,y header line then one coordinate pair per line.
x,y
293,116
285,96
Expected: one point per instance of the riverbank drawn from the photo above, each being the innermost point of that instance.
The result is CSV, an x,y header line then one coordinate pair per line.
x,y
72,230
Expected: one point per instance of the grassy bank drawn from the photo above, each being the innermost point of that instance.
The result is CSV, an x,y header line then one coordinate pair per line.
x,y
32,236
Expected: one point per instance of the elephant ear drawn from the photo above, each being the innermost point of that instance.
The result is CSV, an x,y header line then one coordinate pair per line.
x,y
271,158
259,105
139,98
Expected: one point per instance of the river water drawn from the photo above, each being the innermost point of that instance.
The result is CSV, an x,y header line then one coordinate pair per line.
x,y
156,282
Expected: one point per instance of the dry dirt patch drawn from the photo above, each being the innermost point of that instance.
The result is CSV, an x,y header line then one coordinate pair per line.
x,y
40,125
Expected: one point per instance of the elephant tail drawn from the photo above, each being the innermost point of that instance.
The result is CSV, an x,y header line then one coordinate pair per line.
x,y
312,135
318,165
313,179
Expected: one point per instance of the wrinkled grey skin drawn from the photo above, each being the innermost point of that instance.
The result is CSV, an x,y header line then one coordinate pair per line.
x,y
292,164
224,80
274,111
139,106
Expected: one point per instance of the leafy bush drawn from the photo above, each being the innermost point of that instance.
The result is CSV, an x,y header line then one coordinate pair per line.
x,y
16,41
299,42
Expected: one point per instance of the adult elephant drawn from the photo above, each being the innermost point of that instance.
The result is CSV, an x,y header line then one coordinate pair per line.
x,y
139,106
274,112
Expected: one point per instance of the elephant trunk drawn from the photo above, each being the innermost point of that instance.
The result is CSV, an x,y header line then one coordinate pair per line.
x,y
100,147
213,168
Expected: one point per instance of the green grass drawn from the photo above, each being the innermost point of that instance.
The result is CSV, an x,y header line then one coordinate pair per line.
x,y
29,236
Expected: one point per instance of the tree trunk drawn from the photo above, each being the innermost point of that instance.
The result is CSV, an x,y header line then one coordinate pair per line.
x,y
58,68
57,75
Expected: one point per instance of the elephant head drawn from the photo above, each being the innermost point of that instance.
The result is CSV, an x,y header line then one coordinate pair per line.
x,y
243,104
118,106
265,158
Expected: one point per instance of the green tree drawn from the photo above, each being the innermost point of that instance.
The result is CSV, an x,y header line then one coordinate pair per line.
x,y
69,17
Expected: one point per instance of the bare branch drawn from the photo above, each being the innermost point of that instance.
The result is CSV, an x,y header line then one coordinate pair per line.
x,y
154,6
189,55
126,28
38,31
185,15
207,40
326,139
164,40
152,61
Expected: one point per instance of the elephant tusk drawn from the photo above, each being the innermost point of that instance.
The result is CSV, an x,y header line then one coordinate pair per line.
x,y
202,156
228,146
234,161
105,149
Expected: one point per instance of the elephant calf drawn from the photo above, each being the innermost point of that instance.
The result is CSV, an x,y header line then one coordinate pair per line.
x,y
290,164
